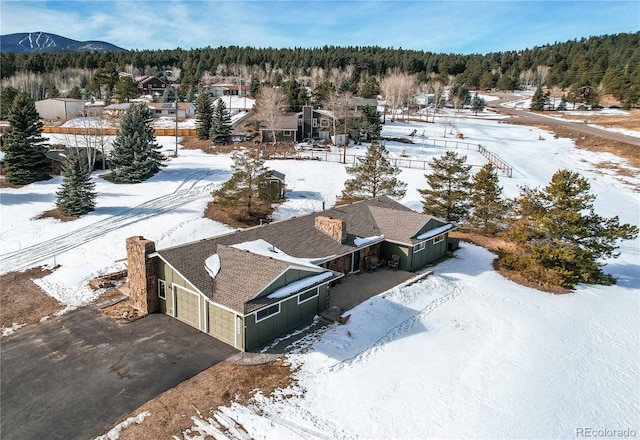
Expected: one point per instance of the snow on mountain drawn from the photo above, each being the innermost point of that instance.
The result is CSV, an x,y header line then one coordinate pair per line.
x,y
45,42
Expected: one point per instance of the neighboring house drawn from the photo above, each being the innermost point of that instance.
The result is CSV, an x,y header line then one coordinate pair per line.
x,y
150,85
218,90
59,108
248,287
185,109
116,109
296,127
285,131
314,124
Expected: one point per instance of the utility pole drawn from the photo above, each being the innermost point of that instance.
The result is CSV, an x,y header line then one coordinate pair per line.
x,y
176,152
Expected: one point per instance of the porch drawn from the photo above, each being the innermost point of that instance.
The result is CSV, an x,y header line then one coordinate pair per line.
x,y
357,288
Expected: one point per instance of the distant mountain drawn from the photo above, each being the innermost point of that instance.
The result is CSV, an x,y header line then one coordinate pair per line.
x,y
43,42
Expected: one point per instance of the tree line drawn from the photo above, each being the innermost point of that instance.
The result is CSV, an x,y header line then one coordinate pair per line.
x,y
559,239
609,63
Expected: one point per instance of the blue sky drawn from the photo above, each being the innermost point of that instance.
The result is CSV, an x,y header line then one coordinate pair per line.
x,y
453,26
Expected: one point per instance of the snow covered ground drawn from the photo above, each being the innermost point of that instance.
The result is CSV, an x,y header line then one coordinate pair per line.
x,y
463,353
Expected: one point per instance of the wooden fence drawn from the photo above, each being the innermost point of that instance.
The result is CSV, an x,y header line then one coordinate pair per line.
x,y
95,131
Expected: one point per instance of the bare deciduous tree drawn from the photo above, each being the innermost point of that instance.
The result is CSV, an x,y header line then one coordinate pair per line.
x,y
270,105
396,88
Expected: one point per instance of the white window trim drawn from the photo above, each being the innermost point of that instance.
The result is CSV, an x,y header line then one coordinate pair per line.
x,y
315,122
268,316
317,294
419,247
438,238
162,288
286,132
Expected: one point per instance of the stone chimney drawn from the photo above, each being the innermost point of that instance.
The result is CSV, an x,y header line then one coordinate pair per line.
x,y
143,278
333,227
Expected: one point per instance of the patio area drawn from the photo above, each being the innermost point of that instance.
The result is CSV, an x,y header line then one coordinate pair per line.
x,y
357,288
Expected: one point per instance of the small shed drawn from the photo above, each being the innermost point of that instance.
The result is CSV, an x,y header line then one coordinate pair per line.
x,y
60,108
273,186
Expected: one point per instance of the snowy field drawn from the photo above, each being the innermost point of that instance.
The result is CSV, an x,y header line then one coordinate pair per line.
x,y
463,353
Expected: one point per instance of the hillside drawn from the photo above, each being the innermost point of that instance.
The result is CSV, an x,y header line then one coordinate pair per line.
x,y
27,42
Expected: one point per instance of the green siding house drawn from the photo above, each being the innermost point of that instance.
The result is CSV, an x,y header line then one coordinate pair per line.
x,y
249,287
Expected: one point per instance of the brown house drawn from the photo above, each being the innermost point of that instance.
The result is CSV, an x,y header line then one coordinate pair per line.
x,y
150,85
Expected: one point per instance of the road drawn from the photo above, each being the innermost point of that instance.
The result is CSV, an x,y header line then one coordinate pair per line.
x,y
531,118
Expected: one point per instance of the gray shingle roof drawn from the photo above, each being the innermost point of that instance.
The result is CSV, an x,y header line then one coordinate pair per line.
x,y
243,274
398,228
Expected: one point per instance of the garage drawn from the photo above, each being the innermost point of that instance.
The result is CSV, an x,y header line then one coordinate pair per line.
x,y
222,324
187,306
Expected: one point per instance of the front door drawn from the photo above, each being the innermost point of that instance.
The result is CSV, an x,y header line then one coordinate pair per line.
x,y
355,262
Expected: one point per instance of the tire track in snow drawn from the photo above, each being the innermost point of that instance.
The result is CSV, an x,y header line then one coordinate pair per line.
x,y
400,329
29,256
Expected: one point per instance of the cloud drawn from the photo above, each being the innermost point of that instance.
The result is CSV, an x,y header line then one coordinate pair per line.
x,y
455,26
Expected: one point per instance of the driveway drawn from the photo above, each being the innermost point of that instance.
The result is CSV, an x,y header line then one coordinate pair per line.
x,y
72,377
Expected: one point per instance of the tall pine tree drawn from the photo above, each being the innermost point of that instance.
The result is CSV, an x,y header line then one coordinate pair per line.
x,y
25,159
204,113
489,208
135,155
538,100
220,133
448,195
373,176
370,122
561,239
242,189
76,196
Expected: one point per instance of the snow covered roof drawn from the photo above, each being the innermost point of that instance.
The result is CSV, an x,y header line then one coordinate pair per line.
x,y
435,231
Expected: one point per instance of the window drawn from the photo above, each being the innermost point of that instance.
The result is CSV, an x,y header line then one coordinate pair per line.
x,y
300,122
315,122
324,123
161,290
266,312
286,132
306,296
438,238
420,246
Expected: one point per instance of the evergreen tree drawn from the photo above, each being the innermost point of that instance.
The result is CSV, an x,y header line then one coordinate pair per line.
x,y
135,155
370,88
478,104
75,93
370,122
7,95
563,104
489,208
125,89
242,189
538,101
562,240
25,159
448,196
220,133
76,195
373,176
255,85
169,95
204,113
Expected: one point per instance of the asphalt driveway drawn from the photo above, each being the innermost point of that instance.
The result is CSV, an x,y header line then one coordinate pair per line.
x,y
73,376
